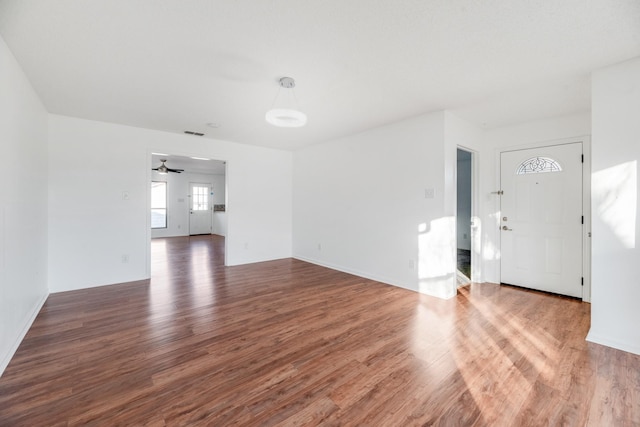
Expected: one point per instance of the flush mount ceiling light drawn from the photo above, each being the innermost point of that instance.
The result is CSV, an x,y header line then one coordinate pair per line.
x,y
284,112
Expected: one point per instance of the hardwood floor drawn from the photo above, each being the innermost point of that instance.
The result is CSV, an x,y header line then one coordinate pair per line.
x,y
287,343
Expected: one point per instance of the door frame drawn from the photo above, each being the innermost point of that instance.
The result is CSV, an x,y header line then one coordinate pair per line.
x,y
210,204
586,202
475,236
149,175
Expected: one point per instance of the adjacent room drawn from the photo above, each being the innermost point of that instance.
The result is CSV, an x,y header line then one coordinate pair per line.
x,y
319,213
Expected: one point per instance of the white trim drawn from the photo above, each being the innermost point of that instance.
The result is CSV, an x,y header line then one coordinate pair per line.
x,y
476,237
381,279
624,346
586,209
32,317
149,175
347,270
586,200
226,209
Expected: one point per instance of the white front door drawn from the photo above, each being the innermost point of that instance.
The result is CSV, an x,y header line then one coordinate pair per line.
x,y
541,218
200,209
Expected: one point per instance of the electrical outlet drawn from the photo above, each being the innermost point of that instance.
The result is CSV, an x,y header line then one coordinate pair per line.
x,y
319,247
412,264
125,195
246,245
125,258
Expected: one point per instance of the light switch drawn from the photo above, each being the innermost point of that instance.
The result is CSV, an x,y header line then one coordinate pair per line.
x,y
429,193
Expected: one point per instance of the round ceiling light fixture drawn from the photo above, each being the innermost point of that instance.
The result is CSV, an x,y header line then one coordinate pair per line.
x,y
285,112
286,118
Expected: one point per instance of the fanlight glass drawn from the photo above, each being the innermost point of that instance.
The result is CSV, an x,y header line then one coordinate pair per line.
x,y
538,165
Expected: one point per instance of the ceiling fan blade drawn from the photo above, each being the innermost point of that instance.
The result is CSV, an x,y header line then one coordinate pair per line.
x,y
175,170
154,169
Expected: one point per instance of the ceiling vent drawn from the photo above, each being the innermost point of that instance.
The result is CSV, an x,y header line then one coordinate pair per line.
x,y
188,132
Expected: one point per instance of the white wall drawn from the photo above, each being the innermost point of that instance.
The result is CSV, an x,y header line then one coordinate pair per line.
x,y
220,223
359,201
360,204
615,317
23,205
91,225
178,202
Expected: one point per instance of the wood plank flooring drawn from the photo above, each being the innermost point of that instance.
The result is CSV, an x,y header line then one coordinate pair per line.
x,y
287,343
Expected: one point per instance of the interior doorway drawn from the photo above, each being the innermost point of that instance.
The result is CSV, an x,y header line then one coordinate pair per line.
x,y
194,198
464,203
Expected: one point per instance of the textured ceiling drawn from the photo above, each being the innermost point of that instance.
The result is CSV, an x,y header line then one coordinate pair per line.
x,y
177,65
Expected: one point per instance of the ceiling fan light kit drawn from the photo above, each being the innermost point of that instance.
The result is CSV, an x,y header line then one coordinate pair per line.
x,y
285,112
164,170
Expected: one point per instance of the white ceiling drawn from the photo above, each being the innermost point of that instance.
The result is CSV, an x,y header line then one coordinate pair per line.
x,y
176,65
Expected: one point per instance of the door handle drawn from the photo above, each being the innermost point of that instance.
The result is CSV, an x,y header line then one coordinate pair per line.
x,y
505,228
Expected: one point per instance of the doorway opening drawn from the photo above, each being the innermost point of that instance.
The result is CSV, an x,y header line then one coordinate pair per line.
x,y
194,199
464,203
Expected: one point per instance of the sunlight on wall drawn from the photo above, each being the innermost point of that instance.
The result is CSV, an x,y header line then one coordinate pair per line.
x,y
436,257
614,192
491,250
476,247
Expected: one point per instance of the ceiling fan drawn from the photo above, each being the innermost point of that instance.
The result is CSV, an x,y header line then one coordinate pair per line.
x,y
163,169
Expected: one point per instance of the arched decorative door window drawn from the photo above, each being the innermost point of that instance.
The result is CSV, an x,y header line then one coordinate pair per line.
x,y
538,165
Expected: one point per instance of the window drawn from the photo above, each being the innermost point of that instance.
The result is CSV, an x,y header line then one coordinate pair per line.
x,y
200,198
158,204
538,165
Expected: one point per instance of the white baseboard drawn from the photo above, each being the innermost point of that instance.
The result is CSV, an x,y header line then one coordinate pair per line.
x,y
624,346
12,350
385,280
